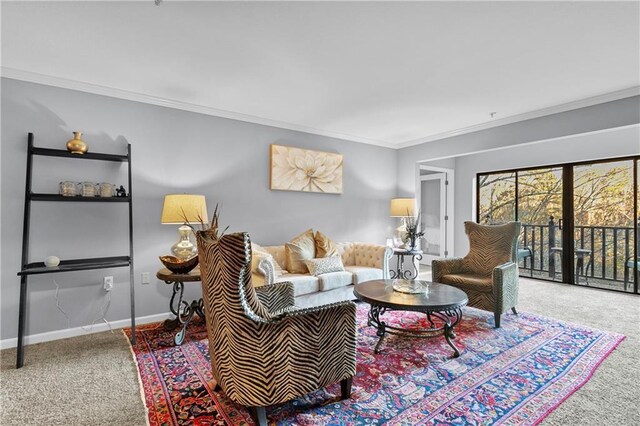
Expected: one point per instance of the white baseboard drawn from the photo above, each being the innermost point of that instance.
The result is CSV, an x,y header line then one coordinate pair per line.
x,y
79,331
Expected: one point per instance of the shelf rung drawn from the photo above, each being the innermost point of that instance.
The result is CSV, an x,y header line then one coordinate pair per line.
x,y
50,152
77,265
56,197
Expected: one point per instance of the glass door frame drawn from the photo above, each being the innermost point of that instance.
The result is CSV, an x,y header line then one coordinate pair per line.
x,y
568,219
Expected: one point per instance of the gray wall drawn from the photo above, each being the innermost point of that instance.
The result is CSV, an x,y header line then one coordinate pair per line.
x,y
228,161
552,139
598,117
173,151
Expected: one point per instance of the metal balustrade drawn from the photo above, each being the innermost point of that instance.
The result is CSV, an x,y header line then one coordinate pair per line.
x,y
603,254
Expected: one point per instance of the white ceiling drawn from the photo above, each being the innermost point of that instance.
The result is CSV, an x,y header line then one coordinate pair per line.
x,y
385,73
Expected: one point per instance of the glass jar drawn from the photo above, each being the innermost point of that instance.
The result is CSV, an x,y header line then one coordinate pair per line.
x,y
106,190
68,189
88,189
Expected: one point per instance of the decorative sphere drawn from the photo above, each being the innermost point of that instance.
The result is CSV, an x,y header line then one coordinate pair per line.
x,y
51,261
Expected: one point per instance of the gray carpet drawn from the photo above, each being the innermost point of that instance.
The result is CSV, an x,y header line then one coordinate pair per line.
x,y
612,396
92,380
88,380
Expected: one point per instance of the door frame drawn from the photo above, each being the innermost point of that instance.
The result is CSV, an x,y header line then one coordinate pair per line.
x,y
442,177
448,210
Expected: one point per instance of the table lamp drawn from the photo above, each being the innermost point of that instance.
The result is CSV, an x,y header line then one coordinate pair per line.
x,y
402,208
181,209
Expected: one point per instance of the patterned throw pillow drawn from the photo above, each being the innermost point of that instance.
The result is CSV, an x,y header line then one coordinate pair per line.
x,y
299,249
324,246
324,265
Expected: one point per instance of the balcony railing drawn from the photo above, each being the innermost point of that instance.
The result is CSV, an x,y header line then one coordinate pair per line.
x,y
603,254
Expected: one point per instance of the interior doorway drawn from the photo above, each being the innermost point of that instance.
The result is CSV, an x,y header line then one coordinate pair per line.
x,y
434,189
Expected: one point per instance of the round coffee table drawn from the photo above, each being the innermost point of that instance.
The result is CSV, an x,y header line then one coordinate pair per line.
x,y
442,304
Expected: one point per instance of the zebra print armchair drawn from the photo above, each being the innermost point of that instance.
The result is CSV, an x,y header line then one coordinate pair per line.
x,y
265,351
489,272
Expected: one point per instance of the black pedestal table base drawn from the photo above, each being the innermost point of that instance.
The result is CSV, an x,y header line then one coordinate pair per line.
x,y
442,304
183,311
444,326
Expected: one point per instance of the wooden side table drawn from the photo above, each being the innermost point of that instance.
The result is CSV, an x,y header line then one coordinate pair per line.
x,y
184,310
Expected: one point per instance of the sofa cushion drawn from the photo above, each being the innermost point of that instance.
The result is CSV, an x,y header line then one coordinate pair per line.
x,y
325,247
472,282
299,249
324,265
335,280
364,273
302,283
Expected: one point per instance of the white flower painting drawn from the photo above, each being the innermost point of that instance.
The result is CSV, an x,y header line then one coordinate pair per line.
x,y
297,169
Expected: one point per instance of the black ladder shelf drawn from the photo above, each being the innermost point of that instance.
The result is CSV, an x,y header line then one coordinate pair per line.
x,y
68,265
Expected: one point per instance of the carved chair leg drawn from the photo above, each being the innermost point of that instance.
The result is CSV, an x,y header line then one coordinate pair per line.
x,y
260,415
345,387
496,317
513,309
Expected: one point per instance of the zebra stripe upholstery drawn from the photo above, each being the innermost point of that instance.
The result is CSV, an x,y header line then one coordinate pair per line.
x,y
489,273
264,351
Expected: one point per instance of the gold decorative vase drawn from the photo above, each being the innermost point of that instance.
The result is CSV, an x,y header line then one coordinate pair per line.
x,y
77,145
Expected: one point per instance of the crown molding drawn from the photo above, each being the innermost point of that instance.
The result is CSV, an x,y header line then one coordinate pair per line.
x,y
31,77
17,74
581,103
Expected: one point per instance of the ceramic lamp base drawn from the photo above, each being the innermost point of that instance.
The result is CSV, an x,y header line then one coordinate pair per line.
x,y
184,248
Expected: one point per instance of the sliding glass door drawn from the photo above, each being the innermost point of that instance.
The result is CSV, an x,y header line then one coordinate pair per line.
x,y
497,198
539,208
580,220
604,221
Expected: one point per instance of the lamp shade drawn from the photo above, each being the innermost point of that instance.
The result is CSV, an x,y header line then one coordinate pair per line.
x,y
184,208
401,207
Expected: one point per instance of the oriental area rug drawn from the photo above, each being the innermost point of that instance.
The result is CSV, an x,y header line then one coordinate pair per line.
x,y
517,374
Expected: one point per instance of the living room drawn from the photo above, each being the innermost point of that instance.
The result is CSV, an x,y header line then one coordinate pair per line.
x,y
210,96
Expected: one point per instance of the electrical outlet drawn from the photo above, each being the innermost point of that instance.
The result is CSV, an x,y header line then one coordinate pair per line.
x,y
107,283
145,278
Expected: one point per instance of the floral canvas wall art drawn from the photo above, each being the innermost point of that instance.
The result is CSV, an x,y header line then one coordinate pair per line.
x,y
297,169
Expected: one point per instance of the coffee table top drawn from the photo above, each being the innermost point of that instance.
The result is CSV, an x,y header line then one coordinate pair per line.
x,y
440,297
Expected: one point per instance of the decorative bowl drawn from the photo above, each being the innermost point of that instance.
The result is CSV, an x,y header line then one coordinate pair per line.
x,y
179,266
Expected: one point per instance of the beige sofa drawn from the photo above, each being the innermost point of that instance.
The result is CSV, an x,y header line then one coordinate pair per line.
x,y
362,262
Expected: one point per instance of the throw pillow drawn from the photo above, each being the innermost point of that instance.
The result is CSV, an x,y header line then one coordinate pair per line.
x,y
299,249
324,246
259,252
324,265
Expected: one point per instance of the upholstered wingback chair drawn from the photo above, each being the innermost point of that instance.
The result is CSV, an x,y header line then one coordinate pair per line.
x,y
264,351
489,272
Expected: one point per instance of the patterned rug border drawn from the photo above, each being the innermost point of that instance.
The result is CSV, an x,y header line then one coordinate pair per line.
x,y
618,339
609,340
